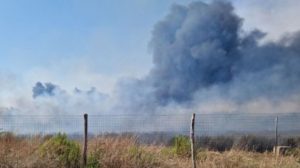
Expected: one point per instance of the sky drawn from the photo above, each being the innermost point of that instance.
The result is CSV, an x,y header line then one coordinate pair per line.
x,y
85,43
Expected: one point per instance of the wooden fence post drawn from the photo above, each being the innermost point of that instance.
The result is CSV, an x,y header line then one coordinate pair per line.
x,y
192,138
276,135
84,155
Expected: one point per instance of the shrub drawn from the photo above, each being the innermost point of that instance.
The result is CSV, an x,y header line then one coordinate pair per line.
x,y
181,146
219,143
118,152
92,161
95,158
294,152
61,152
292,142
255,144
142,158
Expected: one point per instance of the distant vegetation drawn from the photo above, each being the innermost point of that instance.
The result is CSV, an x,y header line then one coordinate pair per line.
x,y
128,152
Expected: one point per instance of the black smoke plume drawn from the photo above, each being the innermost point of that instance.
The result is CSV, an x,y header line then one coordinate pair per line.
x,y
40,89
200,50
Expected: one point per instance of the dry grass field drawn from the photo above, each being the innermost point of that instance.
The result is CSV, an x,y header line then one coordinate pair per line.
x,y
126,152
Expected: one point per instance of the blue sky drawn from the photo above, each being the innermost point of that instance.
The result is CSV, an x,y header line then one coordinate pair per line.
x,y
84,43
36,33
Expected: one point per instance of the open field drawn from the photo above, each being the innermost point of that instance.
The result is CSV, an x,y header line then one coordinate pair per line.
x,y
122,151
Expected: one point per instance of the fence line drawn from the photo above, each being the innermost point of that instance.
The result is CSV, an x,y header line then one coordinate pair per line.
x,y
261,124
157,128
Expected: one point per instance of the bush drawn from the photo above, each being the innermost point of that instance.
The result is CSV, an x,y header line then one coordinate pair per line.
x,y
92,161
181,146
61,152
294,152
118,152
142,158
293,142
219,143
95,158
255,144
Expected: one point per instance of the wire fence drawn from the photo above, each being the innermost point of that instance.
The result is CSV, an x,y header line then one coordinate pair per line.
x,y
219,132
222,124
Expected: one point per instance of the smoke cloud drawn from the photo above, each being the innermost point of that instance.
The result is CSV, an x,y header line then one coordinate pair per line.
x,y
194,48
46,89
202,55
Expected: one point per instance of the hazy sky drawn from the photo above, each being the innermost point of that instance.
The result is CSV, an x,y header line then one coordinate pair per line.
x,y
84,43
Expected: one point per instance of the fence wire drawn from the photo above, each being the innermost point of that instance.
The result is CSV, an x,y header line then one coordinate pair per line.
x,y
234,124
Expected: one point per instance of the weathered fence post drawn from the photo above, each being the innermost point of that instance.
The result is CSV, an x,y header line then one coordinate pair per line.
x,y
192,138
84,155
276,136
